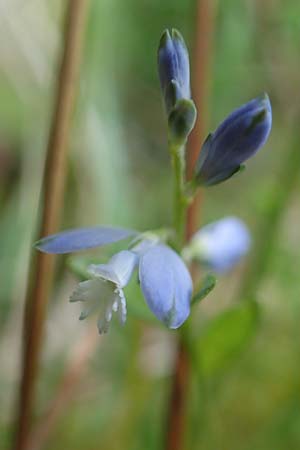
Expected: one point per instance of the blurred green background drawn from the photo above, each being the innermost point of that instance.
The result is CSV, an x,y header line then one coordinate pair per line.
x,y
244,391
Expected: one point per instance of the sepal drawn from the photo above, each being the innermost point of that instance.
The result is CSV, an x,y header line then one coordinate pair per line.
x,y
166,285
206,286
69,241
181,121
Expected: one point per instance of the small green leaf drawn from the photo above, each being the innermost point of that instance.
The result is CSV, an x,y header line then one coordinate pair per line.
x,y
206,286
224,338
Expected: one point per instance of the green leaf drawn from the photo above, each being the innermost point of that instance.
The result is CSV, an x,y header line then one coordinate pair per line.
x,y
224,338
206,286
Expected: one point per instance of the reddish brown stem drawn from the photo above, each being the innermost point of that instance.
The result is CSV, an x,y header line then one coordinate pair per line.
x,y
205,23
51,205
206,10
176,425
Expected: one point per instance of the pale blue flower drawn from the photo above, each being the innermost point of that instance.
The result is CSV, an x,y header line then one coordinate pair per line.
x,y
166,284
219,245
235,140
104,291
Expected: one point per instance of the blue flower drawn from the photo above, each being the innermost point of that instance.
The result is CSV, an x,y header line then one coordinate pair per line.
x,y
219,245
104,291
238,138
166,285
173,68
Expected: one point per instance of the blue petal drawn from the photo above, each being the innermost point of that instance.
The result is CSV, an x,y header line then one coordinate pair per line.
x,y
82,238
167,60
183,62
166,284
252,105
119,268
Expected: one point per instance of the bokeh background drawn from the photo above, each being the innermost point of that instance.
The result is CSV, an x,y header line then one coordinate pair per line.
x,y
244,391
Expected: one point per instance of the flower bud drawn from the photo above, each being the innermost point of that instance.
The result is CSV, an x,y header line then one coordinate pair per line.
x,y
238,138
173,68
219,245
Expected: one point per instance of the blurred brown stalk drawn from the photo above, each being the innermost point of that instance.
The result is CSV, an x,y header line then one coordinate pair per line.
x,y
75,371
50,210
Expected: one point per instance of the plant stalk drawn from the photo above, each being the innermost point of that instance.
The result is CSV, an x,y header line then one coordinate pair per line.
x,y
186,216
180,200
50,209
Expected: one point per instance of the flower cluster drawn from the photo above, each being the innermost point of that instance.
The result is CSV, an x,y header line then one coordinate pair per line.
x,y
235,140
163,276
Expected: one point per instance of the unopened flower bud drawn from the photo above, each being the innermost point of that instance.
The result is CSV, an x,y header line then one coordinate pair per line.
x,y
173,68
219,245
238,138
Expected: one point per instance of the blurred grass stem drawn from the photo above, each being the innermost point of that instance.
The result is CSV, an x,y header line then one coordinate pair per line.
x,y
51,206
204,30
77,367
266,236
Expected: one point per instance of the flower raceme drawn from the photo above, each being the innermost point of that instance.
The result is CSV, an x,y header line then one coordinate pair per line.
x,y
165,280
235,140
219,245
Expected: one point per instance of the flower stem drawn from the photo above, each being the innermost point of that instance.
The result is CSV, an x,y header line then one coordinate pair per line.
x,y
185,216
180,201
51,206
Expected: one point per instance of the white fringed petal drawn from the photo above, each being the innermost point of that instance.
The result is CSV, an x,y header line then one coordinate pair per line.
x,y
104,291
